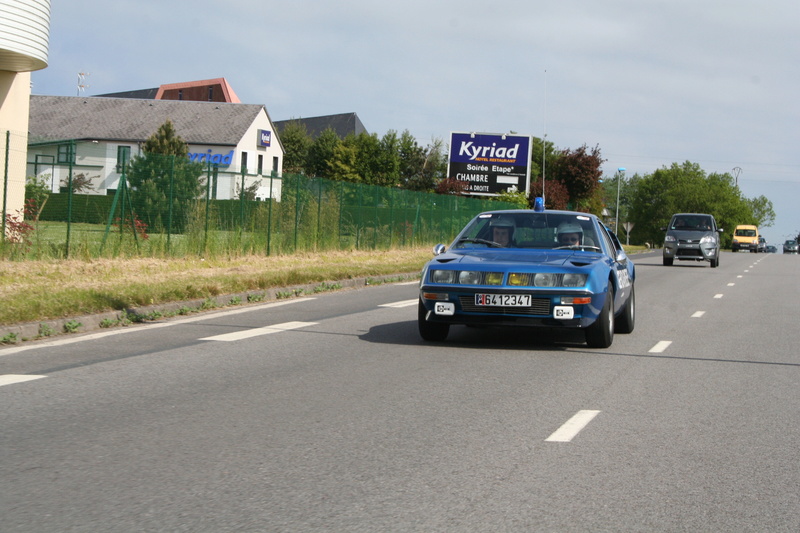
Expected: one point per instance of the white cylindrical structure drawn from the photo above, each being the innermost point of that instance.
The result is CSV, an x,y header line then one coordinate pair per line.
x,y
24,34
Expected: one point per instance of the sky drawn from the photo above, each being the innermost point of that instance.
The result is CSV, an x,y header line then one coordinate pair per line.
x,y
651,83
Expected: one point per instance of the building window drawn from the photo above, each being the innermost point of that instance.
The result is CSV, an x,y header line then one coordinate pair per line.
x,y
123,157
210,94
66,153
275,165
180,94
243,166
260,164
45,161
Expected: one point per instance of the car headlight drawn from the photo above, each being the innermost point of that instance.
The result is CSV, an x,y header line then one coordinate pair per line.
x,y
669,238
443,276
468,277
544,280
573,280
708,239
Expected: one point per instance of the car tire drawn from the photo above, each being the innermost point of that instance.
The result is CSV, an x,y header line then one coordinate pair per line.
x,y
430,331
601,333
626,320
715,261
668,261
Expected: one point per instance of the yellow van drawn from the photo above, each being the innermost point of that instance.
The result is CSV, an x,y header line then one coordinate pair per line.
x,y
745,237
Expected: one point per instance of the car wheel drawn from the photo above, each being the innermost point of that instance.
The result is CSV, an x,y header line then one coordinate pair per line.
x,y
668,261
430,331
715,261
627,319
601,333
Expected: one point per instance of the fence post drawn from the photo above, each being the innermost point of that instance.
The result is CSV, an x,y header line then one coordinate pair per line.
x,y
5,182
269,214
241,202
71,159
171,200
208,205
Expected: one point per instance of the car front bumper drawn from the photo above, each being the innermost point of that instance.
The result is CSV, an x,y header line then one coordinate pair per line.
x,y
690,251
542,313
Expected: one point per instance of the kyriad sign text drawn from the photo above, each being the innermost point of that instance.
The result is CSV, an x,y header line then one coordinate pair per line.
x,y
490,163
209,157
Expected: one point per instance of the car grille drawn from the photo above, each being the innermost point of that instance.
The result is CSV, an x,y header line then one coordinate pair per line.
x,y
539,306
692,252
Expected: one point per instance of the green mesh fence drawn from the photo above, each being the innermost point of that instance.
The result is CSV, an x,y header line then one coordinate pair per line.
x,y
168,207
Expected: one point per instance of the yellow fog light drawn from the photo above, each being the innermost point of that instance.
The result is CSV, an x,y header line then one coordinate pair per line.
x,y
494,278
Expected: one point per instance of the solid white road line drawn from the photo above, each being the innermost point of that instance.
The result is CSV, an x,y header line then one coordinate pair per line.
x,y
660,346
151,325
404,303
573,426
247,333
10,379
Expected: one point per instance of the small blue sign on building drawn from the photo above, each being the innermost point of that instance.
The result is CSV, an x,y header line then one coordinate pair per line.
x,y
264,137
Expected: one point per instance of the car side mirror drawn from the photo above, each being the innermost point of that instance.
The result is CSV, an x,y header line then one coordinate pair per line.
x,y
439,249
720,230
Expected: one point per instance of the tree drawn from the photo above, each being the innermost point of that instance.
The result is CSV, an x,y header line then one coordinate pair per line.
x,y
685,189
321,152
163,172
555,194
763,212
296,144
580,172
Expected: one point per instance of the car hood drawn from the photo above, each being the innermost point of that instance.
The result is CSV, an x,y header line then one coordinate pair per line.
x,y
512,259
689,235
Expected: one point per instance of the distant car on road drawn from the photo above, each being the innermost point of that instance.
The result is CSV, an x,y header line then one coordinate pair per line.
x,y
790,247
745,237
762,245
772,249
692,237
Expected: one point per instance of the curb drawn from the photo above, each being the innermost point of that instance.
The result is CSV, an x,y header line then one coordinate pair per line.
x,y
47,329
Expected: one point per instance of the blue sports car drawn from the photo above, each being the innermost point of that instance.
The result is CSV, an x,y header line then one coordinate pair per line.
x,y
532,268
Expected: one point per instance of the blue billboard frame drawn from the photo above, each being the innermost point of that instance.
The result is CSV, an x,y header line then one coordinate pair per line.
x,y
490,163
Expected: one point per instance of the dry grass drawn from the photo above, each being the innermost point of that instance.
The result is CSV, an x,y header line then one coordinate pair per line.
x,y
40,290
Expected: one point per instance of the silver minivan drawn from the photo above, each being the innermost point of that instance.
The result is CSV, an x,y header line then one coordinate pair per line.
x,y
692,237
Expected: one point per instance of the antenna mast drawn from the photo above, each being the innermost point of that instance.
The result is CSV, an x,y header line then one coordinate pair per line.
x,y
82,86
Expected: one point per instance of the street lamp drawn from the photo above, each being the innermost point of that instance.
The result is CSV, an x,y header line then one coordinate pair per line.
x,y
620,175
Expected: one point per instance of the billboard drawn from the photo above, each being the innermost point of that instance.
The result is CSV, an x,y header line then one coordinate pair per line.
x,y
490,163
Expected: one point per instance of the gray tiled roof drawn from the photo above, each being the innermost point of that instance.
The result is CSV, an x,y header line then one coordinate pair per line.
x,y
343,124
133,120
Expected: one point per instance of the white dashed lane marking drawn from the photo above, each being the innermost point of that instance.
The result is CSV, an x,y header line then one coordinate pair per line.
x,y
267,330
404,303
10,379
698,314
660,347
573,426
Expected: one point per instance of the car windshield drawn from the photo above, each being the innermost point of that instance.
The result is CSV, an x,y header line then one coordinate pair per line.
x,y
691,223
745,233
529,230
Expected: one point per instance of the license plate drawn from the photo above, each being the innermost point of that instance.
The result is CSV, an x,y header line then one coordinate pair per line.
x,y
503,300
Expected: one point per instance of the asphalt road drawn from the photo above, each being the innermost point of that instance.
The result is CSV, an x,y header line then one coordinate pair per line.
x,y
330,414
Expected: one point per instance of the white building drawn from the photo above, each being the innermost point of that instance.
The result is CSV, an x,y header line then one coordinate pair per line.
x,y
238,139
